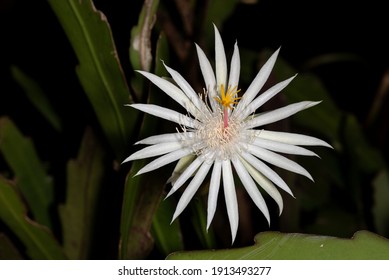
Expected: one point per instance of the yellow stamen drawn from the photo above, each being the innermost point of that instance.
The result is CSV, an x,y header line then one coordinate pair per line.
x,y
228,98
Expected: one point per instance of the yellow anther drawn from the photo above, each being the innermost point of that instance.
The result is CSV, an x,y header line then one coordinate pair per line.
x,y
228,98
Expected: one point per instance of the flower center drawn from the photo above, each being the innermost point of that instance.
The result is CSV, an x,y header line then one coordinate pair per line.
x,y
216,139
227,99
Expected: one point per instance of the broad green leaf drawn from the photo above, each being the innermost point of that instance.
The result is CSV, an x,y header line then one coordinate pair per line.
x,y
38,241
363,245
380,208
37,97
84,181
142,194
8,251
29,173
100,72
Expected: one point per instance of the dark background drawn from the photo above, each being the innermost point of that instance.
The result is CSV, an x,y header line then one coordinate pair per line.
x,y
354,31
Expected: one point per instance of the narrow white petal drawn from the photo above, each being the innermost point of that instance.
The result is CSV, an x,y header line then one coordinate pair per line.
x,y
267,172
181,165
220,60
208,75
292,138
166,114
171,90
251,188
279,114
233,79
187,89
155,150
258,82
265,184
164,138
165,159
278,160
282,147
230,197
191,189
214,186
188,172
263,98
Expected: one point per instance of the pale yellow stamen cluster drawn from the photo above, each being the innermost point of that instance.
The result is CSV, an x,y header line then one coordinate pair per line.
x,y
220,141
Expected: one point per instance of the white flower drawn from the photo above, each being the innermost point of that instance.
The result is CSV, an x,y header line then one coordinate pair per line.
x,y
219,133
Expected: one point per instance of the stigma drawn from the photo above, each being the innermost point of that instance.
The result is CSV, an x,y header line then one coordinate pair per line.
x,y
228,98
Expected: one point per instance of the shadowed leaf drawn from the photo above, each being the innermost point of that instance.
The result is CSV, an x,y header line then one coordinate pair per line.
x,y
38,241
100,72
380,208
142,194
140,44
29,173
37,97
84,181
7,249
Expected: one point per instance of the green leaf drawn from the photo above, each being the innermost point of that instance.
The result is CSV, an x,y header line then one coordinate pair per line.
x,y
142,194
140,44
29,172
207,238
100,72
168,237
365,156
38,241
37,97
308,87
363,245
8,251
84,182
217,13
380,208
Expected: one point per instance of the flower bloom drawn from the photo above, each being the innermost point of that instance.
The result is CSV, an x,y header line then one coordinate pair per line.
x,y
220,133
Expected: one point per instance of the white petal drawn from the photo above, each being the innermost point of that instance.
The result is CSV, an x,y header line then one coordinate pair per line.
x,y
170,89
278,160
188,172
155,150
251,188
187,89
233,79
167,114
263,98
208,75
191,189
282,147
165,159
230,197
292,138
214,186
258,82
164,138
220,60
267,172
265,184
279,114
180,167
